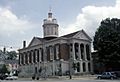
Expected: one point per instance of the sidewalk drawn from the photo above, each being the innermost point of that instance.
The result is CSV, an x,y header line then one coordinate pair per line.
x,y
86,77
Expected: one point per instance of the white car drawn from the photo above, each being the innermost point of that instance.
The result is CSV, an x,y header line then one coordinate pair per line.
x,y
107,75
11,78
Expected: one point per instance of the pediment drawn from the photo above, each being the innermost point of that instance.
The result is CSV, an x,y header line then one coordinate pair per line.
x,y
35,41
82,35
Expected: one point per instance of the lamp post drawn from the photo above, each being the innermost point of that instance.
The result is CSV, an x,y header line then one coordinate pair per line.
x,y
70,67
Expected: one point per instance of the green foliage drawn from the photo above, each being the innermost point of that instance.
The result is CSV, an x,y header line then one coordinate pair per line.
x,y
107,41
74,66
12,55
4,69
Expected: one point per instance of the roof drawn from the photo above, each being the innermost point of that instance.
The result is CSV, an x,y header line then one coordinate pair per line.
x,y
70,35
38,38
41,39
75,33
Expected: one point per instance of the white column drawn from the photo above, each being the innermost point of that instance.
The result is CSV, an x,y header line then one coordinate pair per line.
x,y
40,55
28,57
45,54
49,48
51,53
73,51
79,51
86,66
85,55
36,56
57,51
23,58
32,57
81,66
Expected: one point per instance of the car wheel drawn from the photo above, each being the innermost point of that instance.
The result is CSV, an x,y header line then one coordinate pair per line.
x,y
37,78
99,77
111,78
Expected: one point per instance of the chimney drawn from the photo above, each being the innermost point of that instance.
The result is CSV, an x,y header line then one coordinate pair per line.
x,y
24,44
4,50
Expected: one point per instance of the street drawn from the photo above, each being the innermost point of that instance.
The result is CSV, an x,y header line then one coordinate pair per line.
x,y
74,80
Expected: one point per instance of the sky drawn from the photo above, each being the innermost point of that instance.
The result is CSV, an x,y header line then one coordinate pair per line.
x,y
23,19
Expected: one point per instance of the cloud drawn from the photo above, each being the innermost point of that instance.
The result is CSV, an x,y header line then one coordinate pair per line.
x,y
91,16
13,29
10,23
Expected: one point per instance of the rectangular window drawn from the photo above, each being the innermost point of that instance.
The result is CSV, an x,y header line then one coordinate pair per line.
x,y
51,53
57,52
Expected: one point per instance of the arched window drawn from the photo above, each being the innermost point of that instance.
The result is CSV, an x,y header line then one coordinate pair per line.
x,y
42,54
89,67
47,51
22,58
76,50
88,52
26,59
35,70
78,67
30,56
38,56
84,69
82,51
34,55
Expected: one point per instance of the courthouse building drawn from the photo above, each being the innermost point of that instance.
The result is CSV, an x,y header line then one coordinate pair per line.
x,y
54,55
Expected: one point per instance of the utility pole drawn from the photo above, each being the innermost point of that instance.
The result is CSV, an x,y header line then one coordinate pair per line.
x,y
4,50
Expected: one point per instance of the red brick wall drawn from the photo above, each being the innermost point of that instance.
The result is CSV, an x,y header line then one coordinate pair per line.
x,y
64,51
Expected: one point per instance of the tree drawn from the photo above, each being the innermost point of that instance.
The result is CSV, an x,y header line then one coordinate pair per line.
x,y
12,55
4,69
107,42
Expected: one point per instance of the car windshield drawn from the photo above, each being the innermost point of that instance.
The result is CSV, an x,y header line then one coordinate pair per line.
x,y
104,73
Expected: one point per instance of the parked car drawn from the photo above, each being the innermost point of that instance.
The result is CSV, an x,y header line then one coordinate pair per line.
x,y
11,78
3,76
117,73
107,75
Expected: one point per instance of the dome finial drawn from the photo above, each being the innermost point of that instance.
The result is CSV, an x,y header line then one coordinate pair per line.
x,y
50,12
